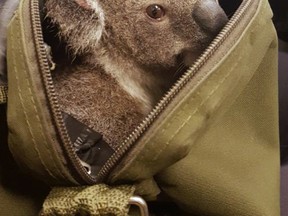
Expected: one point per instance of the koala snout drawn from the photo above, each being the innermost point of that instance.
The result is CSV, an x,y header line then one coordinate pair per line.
x,y
209,16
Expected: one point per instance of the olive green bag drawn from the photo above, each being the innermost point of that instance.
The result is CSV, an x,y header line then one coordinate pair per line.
x,y
210,146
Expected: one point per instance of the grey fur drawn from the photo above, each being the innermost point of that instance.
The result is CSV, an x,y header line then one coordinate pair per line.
x,y
7,8
135,56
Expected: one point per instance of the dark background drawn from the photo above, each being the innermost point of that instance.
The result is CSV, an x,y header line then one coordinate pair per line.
x,y
280,9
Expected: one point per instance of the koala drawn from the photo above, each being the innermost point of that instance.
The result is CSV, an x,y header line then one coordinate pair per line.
x,y
7,9
127,54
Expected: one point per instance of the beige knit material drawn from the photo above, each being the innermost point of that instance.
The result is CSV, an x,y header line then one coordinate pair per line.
x,y
3,94
88,200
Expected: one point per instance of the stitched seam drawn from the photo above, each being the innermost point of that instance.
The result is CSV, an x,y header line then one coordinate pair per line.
x,y
169,123
42,133
31,96
197,109
42,130
202,103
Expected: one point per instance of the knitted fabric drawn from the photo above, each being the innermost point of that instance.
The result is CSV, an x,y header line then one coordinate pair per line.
x,y
3,94
88,200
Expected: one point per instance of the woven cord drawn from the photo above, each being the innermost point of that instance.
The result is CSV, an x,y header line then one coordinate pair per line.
x,y
3,94
88,200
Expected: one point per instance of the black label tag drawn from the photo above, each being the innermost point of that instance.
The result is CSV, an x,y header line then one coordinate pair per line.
x,y
89,144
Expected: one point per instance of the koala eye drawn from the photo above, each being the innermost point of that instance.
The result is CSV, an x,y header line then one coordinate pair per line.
x,y
155,11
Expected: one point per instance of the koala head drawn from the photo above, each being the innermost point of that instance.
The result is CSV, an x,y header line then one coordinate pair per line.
x,y
151,32
156,32
131,49
140,43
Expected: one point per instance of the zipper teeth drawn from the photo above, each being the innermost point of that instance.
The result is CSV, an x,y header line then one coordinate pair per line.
x,y
191,72
50,90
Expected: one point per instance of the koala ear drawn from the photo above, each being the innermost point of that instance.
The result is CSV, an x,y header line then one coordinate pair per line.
x,y
85,26
90,36
86,4
94,7
90,5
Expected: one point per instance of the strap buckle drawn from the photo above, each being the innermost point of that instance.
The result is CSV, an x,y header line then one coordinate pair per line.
x,y
141,203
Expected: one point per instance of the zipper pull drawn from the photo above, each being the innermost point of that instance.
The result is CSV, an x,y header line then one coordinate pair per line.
x,y
86,166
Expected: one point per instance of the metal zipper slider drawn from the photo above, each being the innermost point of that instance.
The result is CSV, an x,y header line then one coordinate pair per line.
x,y
86,166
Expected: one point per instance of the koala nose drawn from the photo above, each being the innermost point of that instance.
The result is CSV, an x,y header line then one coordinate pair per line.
x,y
209,16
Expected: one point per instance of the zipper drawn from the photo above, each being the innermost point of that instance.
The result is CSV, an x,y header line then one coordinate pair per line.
x,y
80,172
78,166
175,89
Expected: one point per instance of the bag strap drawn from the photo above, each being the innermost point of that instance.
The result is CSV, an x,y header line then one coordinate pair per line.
x,y
93,200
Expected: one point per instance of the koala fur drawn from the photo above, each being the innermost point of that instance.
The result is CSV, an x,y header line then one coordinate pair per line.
x,y
7,9
126,60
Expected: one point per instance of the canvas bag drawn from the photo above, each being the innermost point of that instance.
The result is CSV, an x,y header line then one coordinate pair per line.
x,y
213,149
